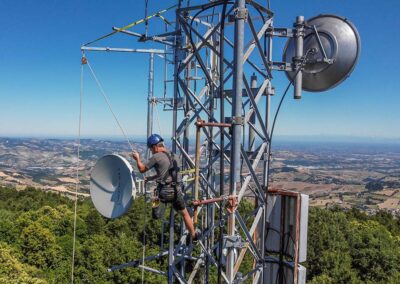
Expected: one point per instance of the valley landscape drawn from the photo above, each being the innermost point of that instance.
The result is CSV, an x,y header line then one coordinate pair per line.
x,y
366,176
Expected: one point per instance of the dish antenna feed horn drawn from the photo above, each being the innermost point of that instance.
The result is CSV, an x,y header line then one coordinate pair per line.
x,y
332,45
112,186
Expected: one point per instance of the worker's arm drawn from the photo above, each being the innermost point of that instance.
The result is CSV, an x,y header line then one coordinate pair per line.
x,y
142,168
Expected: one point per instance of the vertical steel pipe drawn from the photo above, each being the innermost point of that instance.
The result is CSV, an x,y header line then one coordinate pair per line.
x,y
299,42
197,172
171,247
150,99
222,141
185,165
262,228
240,16
177,59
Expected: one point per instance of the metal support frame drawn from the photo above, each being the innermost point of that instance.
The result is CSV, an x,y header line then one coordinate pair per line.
x,y
199,109
220,140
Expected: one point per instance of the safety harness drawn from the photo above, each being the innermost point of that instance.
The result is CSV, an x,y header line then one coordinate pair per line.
x,y
167,191
172,171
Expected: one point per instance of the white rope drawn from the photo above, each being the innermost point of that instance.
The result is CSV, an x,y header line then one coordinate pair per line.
x,y
130,145
109,105
144,234
77,183
127,139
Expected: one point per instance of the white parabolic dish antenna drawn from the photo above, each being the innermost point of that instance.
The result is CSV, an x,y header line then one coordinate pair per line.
x,y
112,186
340,42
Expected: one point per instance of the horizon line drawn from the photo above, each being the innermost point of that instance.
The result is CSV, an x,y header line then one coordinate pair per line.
x,y
281,138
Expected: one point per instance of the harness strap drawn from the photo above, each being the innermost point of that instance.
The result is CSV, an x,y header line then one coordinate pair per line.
x,y
172,170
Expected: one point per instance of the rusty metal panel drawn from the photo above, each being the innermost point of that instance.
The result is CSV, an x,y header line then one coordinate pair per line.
x,y
287,224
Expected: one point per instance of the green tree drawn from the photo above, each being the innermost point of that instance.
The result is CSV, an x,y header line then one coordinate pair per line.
x,y
374,251
328,251
394,279
388,220
344,246
39,246
13,271
95,222
321,279
8,231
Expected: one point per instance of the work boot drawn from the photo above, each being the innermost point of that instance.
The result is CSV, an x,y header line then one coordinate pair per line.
x,y
197,235
156,210
195,239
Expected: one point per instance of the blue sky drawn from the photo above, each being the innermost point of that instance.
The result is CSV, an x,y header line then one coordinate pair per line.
x,y
40,70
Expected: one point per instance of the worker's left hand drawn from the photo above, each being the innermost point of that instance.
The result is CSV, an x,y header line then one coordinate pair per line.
x,y
135,156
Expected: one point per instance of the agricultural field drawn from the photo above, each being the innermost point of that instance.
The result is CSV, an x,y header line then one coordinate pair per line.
x,y
366,176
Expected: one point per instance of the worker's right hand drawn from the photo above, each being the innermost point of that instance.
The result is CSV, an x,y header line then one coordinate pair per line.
x,y
135,156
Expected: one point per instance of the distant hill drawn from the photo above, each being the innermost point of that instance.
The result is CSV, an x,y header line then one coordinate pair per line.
x,y
330,172
51,163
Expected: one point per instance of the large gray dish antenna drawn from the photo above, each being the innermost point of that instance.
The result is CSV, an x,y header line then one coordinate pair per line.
x,y
341,43
112,186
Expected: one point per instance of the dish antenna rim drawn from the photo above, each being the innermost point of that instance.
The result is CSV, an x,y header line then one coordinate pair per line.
x,y
355,60
112,185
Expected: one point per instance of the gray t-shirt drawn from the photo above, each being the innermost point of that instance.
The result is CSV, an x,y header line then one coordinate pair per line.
x,y
160,162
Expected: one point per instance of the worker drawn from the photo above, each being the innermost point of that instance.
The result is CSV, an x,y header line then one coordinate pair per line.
x,y
166,168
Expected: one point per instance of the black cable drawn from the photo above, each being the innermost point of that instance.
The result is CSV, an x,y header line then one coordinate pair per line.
x,y
277,112
209,6
214,5
222,113
222,146
221,63
209,172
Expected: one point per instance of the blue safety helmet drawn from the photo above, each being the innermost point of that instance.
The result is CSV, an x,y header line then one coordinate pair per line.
x,y
153,140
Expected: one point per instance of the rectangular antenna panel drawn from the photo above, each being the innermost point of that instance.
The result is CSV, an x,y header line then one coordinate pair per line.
x,y
284,217
273,276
